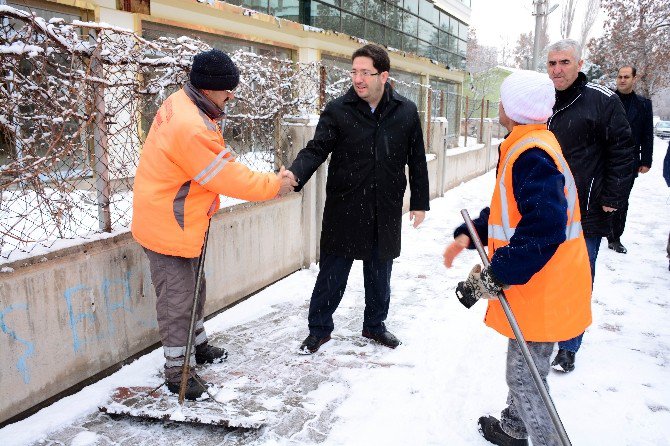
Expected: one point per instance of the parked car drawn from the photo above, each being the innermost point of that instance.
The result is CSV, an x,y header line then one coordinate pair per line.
x,y
662,129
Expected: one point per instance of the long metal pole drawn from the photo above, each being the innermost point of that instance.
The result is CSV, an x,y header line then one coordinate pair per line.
x,y
538,30
558,424
186,369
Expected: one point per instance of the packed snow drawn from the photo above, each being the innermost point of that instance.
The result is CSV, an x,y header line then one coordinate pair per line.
x,y
450,368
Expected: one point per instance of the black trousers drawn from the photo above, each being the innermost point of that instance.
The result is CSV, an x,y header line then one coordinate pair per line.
x,y
618,220
330,285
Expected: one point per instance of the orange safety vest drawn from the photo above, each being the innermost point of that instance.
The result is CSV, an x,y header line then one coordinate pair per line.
x,y
183,167
555,304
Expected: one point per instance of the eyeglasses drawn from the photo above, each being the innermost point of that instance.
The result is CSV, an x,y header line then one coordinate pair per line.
x,y
365,74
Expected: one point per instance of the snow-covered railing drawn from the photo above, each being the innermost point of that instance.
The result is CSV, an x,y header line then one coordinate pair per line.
x,y
77,100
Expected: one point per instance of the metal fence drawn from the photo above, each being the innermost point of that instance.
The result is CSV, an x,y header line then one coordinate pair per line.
x,y
77,100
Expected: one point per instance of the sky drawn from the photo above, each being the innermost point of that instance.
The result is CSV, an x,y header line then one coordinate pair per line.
x,y
501,22
449,371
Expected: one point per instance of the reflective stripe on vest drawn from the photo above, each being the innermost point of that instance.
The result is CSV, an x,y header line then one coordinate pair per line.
x,y
505,231
212,169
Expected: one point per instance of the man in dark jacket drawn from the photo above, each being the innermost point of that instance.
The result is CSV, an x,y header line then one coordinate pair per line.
x,y
591,127
640,118
371,133
666,175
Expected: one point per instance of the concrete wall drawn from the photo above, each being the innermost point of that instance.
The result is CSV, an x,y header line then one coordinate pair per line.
x,y
71,314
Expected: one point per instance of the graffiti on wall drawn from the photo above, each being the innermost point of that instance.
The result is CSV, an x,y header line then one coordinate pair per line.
x,y
21,364
93,314
116,297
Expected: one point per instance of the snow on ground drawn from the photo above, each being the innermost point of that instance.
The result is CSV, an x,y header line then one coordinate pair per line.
x,y
449,370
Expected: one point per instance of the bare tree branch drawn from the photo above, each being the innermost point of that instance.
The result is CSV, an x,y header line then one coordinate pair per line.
x,y
567,17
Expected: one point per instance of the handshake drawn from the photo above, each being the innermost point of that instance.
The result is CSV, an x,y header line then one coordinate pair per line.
x,y
287,181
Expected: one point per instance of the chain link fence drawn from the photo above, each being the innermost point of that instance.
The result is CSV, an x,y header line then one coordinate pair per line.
x,y
77,100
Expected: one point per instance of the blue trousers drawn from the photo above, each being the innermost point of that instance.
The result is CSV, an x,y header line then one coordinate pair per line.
x,y
526,414
330,285
592,247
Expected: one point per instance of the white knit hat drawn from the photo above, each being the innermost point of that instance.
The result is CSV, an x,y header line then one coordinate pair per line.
x,y
528,97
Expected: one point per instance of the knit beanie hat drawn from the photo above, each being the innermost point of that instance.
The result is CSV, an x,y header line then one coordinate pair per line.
x,y
528,97
214,70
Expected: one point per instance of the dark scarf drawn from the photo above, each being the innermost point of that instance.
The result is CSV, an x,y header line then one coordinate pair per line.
x,y
565,97
626,100
383,102
203,102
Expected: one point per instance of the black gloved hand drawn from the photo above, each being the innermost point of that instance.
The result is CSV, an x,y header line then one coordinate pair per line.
x,y
479,285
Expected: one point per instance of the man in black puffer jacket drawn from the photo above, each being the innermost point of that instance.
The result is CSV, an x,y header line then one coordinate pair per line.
x,y
590,123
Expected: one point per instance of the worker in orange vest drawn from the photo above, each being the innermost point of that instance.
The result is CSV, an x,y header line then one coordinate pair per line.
x,y
537,252
183,167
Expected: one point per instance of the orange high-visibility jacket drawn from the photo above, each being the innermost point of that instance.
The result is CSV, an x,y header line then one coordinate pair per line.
x,y
555,304
183,168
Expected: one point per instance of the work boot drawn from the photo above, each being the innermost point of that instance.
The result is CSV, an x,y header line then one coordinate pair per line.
x,y
490,428
617,247
312,343
564,361
194,388
385,338
205,353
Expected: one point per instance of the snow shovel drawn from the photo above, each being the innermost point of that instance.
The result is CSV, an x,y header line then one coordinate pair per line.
x,y
519,338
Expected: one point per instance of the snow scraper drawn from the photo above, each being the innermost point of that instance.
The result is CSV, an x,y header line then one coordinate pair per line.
x,y
556,420
161,405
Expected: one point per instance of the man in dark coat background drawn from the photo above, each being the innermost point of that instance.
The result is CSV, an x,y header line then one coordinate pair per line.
x,y
371,133
591,126
641,121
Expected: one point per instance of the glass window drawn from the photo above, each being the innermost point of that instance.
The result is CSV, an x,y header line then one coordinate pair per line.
x,y
30,69
355,6
445,22
374,32
427,11
352,25
412,6
48,14
324,16
330,2
443,41
393,17
256,5
425,49
452,45
410,24
427,31
462,30
410,44
394,38
285,9
462,47
376,11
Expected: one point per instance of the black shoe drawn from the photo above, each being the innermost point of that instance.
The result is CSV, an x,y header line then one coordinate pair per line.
x,y
564,361
194,389
312,343
617,247
205,353
491,430
386,338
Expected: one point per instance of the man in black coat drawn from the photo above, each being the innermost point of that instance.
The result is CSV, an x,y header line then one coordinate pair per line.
x,y
640,118
371,134
591,127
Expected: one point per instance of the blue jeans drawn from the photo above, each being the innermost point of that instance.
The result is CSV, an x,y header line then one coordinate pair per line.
x,y
592,248
526,414
330,285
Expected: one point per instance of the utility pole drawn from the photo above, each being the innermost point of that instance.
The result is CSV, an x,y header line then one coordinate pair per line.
x,y
539,8
541,13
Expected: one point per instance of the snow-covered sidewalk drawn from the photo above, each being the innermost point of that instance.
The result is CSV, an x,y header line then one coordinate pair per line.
x,y
449,369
